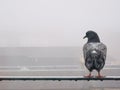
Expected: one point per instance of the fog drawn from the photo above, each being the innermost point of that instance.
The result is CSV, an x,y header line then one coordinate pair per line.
x,y
48,35
59,23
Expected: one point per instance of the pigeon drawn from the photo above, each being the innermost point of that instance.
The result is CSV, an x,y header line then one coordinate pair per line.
x,y
94,53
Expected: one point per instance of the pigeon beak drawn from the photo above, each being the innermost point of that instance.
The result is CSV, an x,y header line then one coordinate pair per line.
x,y
84,37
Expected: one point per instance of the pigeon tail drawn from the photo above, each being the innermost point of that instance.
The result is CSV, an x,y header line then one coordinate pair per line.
x,y
98,61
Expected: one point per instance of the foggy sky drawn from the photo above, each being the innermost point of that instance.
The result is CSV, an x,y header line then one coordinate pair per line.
x,y
58,22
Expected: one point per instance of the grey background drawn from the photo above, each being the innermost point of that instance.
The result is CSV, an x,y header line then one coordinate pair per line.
x,y
59,23
44,37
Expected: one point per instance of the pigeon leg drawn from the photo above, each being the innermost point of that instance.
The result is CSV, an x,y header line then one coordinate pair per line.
x,y
88,76
99,75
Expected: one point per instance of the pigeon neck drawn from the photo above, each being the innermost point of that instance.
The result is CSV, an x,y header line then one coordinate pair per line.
x,y
94,40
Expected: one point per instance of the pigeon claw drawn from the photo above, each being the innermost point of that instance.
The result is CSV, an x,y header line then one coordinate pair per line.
x,y
88,76
100,76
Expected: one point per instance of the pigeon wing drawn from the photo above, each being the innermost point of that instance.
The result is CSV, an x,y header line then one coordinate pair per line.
x,y
102,47
86,48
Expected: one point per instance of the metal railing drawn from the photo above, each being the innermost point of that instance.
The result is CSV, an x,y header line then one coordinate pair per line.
x,y
58,78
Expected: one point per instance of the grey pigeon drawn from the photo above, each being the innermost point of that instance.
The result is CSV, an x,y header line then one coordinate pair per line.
x,y
94,53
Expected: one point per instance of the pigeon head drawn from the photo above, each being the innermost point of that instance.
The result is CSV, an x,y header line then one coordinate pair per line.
x,y
92,36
